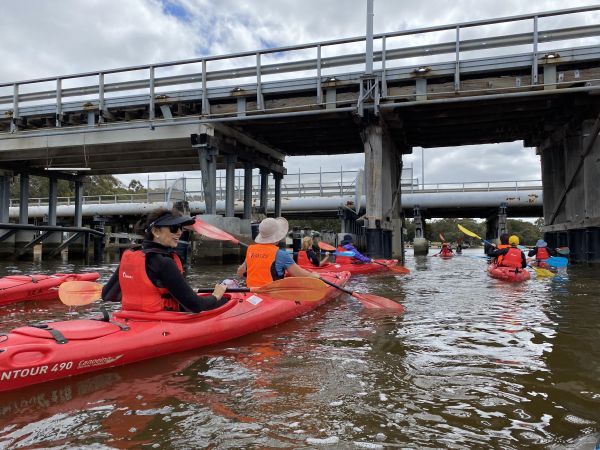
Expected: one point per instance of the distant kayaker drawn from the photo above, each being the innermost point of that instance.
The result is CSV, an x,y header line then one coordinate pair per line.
x,y
308,256
347,245
509,255
150,277
446,250
541,251
265,261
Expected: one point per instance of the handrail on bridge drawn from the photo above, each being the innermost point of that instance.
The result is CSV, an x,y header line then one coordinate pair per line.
x,y
255,68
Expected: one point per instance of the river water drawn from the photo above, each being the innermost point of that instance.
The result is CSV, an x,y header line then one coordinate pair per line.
x,y
473,363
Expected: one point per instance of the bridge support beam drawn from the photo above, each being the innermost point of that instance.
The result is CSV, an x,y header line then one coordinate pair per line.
x,y
383,167
78,247
230,186
208,167
420,243
22,237
278,177
7,240
264,190
570,174
248,190
55,239
496,225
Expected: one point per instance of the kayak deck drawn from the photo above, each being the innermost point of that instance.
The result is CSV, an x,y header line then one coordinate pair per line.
x,y
355,269
508,273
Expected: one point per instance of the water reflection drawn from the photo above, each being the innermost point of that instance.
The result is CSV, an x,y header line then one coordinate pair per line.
x,y
473,363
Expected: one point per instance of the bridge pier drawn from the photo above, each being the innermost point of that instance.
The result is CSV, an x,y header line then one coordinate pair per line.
x,y
420,243
7,239
383,168
495,225
570,174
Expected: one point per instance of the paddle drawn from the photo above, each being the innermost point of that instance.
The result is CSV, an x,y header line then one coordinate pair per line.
x,y
77,293
470,233
370,301
398,269
563,251
442,237
540,272
208,230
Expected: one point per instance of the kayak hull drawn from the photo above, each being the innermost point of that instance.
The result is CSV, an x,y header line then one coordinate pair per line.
x,y
448,256
508,273
31,355
354,269
18,288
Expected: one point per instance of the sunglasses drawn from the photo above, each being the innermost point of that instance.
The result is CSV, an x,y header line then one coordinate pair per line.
x,y
174,228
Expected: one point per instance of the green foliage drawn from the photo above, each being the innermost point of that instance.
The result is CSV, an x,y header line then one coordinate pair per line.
x,y
93,185
316,224
528,232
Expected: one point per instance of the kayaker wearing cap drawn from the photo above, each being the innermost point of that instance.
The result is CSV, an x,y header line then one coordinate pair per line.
x,y
347,245
308,256
265,261
541,251
150,277
511,255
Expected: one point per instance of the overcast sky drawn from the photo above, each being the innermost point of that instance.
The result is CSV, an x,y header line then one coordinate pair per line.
x,y
46,38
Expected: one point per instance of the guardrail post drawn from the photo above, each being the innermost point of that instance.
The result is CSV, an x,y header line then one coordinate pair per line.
x,y
534,63
205,104
101,107
152,95
319,89
457,67
15,114
260,103
58,102
384,89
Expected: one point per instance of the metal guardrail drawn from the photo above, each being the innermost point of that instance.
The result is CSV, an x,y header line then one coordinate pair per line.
x,y
229,72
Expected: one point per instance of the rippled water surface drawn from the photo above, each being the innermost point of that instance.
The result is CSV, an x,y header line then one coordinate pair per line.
x,y
474,363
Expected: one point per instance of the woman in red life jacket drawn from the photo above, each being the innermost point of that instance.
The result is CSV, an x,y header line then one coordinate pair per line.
x,y
265,261
509,255
308,256
541,251
150,277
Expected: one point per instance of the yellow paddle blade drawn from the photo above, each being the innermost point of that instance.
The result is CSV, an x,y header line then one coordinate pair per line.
x,y
539,272
468,232
294,288
77,293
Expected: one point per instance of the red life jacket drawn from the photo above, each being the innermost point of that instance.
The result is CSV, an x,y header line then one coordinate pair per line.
x,y
303,259
343,259
139,294
513,258
542,253
260,259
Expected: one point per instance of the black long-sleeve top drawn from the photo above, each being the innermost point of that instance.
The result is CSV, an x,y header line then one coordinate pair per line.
x,y
163,272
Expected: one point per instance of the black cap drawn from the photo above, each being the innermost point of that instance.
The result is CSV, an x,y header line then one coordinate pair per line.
x,y
170,219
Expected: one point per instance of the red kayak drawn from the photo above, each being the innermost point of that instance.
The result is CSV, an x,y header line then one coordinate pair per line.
x,y
17,288
508,273
30,355
445,255
355,269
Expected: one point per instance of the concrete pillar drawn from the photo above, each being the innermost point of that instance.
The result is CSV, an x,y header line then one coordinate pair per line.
x,y
278,177
379,168
231,251
55,239
420,244
208,167
248,166
7,245
205,250
78,248
230,186
264,190
24,198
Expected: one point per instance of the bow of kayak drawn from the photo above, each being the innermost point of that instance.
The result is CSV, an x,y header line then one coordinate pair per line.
x,y
18,288
355,269
37,354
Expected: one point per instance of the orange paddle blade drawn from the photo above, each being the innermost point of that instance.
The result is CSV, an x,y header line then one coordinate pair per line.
x,y
210,231
305,289
78,293
372,301
327,247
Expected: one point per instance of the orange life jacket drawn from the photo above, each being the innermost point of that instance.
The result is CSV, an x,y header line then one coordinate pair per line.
x,y
513,258
139,293
343,259
542,253
260,264
499,258
303,259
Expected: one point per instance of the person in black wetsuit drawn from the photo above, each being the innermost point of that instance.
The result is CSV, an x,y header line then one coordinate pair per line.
x,y
150,277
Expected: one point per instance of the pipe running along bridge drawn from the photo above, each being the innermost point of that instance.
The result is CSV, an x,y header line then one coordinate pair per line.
x,y
464,84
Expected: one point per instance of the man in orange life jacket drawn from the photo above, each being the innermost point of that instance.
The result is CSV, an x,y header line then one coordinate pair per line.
x,y
509,255
150,278
265,261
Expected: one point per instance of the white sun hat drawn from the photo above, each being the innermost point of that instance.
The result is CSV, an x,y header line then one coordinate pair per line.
x,y
271,231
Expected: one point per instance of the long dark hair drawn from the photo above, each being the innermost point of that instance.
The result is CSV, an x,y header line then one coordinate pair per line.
x,y
143,225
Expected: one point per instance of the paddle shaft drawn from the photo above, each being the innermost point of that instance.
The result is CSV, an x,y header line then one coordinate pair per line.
x,y
347,291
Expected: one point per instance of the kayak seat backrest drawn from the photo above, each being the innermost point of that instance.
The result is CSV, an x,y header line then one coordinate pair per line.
x,y
72,330
174,316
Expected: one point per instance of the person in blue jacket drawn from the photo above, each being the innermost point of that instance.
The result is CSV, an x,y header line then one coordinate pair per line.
x,y
347,245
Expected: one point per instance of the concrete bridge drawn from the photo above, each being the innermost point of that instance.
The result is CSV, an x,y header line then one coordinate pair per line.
x,y
249,110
